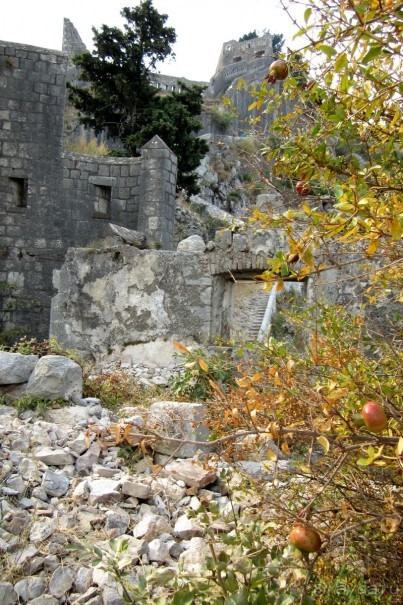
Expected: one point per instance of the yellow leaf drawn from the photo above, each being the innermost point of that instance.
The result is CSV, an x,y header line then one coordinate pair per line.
x,y
390,525
290,364
203,365
285,448
399,449
273,427
180,347
271,455
257,377
216,387
373,246
336,395
396,229
280,285
324,443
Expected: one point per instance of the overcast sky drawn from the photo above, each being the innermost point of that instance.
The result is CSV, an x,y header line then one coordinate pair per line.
x,y
202,26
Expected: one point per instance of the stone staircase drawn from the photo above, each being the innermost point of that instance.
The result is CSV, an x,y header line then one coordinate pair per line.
x,y
257,311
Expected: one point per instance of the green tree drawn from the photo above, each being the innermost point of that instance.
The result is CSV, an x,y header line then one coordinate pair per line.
x,y
277,44
174,118
249,36
121,98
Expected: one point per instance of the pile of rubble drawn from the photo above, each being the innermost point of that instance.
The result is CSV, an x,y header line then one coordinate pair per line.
x,y
62,484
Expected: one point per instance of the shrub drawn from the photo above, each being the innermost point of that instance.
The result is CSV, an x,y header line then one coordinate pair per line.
x,y
91,147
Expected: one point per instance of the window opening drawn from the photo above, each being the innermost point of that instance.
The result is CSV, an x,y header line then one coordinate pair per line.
x,y
102,203
20,191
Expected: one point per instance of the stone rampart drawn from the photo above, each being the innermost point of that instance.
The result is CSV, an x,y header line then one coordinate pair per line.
x,y
51,200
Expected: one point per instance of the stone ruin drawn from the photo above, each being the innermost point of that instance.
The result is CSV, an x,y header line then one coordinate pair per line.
x,y
113,299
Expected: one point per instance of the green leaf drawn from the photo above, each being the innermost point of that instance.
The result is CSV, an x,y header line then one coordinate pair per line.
x,y
341,62
307,14
328,50
373,52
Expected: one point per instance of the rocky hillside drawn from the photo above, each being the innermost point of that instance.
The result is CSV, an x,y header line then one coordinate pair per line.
x,y
79,477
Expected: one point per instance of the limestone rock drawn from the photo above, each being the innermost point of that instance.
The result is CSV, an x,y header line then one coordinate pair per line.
x,y
30,588
151,526
83,579
45,599
61,581
16,368
136,489
8,596
193,559
129,236
104,491
56,377
55,484
40,531
185,529
192,474
87,460
193,243
181,421
53,456
158,551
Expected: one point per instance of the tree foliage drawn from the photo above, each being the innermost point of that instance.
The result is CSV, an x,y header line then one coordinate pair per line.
x,y
249,36
122,99
343,137
277,44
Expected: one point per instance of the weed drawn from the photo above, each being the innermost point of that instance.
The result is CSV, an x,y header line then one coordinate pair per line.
x,y
85,147
37,404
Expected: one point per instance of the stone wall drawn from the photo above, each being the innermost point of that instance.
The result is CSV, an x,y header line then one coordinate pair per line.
x,y
51,200
125,302
32,217
130,304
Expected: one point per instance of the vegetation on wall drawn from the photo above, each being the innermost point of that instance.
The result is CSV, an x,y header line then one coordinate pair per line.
x,y
121,98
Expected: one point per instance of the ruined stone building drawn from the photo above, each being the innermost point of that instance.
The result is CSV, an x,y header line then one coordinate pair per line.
x,y
51,200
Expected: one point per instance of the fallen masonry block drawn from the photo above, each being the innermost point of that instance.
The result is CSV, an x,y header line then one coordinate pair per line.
x,y
179,421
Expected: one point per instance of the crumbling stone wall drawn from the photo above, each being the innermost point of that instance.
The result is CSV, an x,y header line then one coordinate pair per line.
x,y
125,302
131,304
51,200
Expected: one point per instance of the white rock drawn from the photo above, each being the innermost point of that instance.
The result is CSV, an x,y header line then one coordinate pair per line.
x,y
16,368
45,599
61,581
194,243
104,491
40,531
194,557
83,579
181,421
56,377
30,588
185,529
54,456
136,489
192,474
55,484
158,551
8,596
87,460
16,483
151,526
